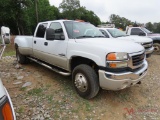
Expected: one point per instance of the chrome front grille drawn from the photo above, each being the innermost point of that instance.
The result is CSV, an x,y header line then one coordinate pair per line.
x,y
138,59
147,45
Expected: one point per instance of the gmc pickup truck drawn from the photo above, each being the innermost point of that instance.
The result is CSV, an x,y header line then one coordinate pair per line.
x,y
6,106
81,50
147,43
142,31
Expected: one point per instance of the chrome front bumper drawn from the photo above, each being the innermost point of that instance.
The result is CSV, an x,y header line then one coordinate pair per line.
x,y
118,81
149,51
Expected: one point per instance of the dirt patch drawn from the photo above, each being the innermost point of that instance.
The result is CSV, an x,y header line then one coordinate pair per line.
x,y
51,96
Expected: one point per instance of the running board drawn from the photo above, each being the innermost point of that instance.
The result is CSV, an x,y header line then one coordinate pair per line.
x,y
49,67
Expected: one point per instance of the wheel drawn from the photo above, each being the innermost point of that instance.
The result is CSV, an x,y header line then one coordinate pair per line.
x,y
85,81
21,58
156,48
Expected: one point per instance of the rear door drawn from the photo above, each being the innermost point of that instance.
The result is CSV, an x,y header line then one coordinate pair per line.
x,y
39,40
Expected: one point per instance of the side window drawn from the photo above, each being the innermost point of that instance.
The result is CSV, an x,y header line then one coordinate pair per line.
x,y
58,30
104,33
136,31
41,30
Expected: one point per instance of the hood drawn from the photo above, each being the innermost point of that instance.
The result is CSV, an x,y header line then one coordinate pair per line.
x,y
112,44
154,36
137,39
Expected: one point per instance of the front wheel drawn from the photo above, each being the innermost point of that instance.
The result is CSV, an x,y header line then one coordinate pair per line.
x,y
21,58
85,81
156,48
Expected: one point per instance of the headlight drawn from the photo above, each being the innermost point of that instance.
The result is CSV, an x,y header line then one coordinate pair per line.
x,y
117,56
117,60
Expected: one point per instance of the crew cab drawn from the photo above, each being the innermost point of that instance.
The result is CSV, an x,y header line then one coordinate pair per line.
x,y
142,31
6,106
147,43
79,49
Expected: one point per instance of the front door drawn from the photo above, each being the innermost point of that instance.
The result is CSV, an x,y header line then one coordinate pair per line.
x,y
56,50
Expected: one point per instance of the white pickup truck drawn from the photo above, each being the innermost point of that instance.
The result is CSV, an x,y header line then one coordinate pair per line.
x,y
6,106
81,50
147,43
142,31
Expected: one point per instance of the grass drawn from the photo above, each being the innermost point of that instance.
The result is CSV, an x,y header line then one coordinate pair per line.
x,y
35,91
9,51
20,110
23,89
49,98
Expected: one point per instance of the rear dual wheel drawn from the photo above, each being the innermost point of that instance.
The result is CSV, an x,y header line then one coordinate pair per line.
x,y
21,58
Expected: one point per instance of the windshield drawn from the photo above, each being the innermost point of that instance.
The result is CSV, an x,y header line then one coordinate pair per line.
x,y
81,30
116,32
146,30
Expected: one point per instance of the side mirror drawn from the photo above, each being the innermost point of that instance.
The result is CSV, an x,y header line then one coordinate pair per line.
x,y
5,35
142,34
50,34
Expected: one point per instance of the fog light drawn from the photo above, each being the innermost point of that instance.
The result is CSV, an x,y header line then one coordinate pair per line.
x,y
118,65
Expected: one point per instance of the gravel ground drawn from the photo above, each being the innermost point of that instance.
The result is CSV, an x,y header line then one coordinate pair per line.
x,y
40,94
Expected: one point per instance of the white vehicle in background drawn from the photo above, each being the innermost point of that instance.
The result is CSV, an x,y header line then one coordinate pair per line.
x,y
6,106
142,31
147,43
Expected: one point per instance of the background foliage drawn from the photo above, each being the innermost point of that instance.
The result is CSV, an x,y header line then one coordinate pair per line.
x,y
22,16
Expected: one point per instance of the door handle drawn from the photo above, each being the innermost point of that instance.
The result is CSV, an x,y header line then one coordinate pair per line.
x,y
45,43
34,42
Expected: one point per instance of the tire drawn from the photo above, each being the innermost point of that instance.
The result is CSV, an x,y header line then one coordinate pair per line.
x,y
156,48
85,81
21,58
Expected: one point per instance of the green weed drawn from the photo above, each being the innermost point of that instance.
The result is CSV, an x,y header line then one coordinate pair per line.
x,y
35,91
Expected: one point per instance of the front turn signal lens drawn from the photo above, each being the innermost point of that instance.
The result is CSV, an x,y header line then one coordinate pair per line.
x,y
111,56
7,112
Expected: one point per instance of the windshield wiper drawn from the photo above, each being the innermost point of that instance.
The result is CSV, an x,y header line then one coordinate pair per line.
x,y
121,35
84,36
99,36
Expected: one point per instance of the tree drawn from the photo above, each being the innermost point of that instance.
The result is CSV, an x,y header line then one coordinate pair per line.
x,y
71,9
157,29
89,16
20,15
149,26
120,22
69,5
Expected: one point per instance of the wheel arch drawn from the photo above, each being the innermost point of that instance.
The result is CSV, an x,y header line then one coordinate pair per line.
x,y
77,60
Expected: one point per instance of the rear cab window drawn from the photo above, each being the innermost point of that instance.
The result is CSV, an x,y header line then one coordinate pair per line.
x,y
41,30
